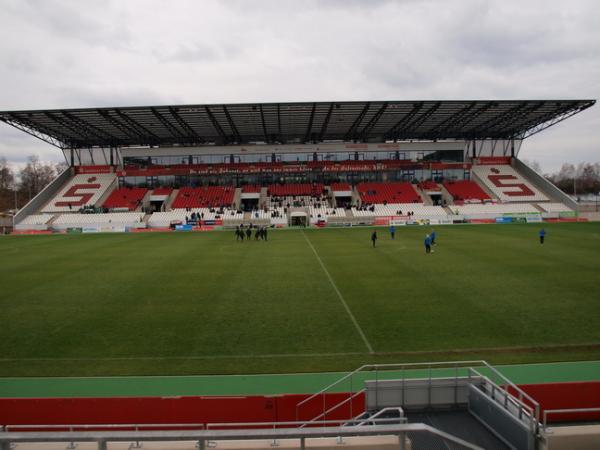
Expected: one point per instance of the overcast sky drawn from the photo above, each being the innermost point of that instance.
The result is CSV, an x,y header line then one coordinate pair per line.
x,y
86,53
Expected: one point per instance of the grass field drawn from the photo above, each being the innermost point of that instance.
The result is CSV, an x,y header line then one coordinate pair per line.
x,y
180,303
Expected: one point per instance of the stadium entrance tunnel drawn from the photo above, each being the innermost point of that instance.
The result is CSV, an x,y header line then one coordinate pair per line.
x,y
298,219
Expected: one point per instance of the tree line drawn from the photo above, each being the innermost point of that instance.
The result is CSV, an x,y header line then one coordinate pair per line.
x,y
577,180
17,188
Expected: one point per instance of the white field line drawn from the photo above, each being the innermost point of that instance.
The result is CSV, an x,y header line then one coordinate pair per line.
x,y
340,296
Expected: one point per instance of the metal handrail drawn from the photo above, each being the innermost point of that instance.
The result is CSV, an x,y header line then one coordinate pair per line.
x,y
548,412
334,407
204,436
75,427
374,418
298,424
535,409
389,366
521,392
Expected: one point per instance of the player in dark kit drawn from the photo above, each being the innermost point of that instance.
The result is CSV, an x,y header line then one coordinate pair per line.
x,y
542,235
392,231
374,237
427,243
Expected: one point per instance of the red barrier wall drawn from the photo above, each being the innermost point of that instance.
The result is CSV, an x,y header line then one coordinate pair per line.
x,y
164,410
281,408
566,396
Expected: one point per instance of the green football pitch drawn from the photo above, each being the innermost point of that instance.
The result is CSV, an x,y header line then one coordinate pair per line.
x,y
306,300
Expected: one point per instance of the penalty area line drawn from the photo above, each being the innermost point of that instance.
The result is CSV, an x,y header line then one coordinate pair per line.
x,y
340,296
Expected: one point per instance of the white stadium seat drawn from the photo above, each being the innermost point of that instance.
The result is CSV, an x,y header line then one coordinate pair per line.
x,y
490,210
402,209
34,222
554,207
119,219
164,219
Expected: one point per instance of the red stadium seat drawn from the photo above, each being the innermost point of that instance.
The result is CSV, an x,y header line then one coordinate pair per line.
x,y
129,198
465,190
388,193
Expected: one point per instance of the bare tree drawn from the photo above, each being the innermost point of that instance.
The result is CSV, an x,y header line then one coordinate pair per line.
x,y
535,165
7,177
36,175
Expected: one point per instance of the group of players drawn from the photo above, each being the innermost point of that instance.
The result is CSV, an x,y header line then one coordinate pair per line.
x,y
429,238
260,233
429,241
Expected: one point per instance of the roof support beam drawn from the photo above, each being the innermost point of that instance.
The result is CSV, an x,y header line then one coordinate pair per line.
x,y
413,125
326,122
177,135
34,130
191,134
127,131
369,126
541,127
351,133
307,135
462,118
279,123
393,132
98,133
234,129
264,125
514,121
139,128
505,117
217,125
74,129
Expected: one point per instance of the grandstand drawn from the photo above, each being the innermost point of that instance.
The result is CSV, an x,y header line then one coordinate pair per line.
x,y
336,163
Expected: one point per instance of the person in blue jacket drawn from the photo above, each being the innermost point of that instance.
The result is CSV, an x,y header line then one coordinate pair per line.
x,y
392,231
432,237
542,235
427,243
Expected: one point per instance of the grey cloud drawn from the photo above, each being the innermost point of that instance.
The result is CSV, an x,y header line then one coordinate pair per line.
x,y
73,20
68,53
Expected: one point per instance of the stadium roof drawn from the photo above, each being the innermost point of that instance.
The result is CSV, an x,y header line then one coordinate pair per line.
x,y
360,121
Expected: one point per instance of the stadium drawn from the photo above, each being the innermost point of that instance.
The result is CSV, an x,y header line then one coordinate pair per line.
x,y
207,273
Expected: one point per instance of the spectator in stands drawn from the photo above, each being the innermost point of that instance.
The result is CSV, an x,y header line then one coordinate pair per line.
x,y
432,237
427,243
392,231
374,237
542,235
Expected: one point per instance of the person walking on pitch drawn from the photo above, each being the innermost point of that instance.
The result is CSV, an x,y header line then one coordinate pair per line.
x,y
427,243
374,237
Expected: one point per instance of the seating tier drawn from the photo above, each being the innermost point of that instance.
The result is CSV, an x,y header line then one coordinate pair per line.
x,y
465,190
507,184
81,190
204,197
125,198
373,193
